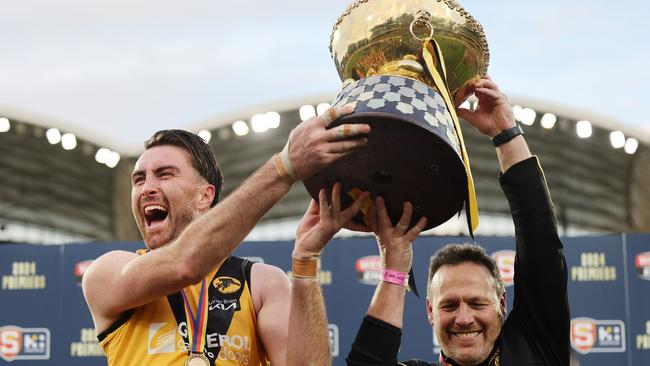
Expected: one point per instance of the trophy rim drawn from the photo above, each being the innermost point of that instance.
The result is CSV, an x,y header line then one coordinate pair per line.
x,y
451,4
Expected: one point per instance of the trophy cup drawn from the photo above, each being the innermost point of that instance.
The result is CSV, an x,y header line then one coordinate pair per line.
x,y
406,64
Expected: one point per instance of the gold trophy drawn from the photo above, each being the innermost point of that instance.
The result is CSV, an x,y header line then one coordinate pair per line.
x,y
406,64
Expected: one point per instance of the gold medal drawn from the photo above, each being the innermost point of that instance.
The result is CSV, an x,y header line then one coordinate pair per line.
x,y
197,359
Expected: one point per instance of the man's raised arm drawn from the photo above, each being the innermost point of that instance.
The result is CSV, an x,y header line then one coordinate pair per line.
x,y
541,299
308,342
119,281
378,339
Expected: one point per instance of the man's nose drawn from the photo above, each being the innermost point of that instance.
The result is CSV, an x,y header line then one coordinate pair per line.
x,y
464,315
149,187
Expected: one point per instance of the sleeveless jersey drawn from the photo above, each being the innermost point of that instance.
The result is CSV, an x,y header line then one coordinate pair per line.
x,y
156,333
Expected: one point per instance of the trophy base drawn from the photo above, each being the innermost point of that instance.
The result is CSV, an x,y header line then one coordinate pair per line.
x,y
403,162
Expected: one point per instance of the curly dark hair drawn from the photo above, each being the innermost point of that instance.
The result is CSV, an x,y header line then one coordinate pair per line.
x,y
201,155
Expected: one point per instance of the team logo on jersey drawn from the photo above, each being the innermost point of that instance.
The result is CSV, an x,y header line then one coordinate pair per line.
x,y
642,264
161,338
368,269
226,285
505,260
591,336
80,268
224,304
18,343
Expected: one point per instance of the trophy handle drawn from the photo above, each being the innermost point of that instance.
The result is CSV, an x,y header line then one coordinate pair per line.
x,y
422,17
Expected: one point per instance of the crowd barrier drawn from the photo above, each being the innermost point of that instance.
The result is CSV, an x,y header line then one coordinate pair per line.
x,y
44,319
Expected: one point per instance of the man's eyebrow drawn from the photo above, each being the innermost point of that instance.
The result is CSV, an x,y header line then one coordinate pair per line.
x,y
447,300
137,173
166,167
141,172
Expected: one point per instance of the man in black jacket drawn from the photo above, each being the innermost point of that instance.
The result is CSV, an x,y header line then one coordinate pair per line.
x,y
465,296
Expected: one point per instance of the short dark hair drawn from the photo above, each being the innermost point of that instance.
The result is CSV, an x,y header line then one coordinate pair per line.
x,y
201,155
452,254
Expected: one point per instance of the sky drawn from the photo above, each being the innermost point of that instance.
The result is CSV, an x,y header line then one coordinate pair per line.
x,y
119,70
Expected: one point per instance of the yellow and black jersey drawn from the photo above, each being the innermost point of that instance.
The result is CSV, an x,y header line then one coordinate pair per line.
x,y
156,333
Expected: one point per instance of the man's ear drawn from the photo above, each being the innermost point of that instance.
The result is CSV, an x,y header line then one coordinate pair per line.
x,y
207,195
429,307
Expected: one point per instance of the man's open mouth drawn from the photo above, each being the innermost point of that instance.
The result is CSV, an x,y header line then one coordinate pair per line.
x,y
154,214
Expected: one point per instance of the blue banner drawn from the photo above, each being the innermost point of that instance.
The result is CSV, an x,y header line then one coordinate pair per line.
x,y
30,303
598,300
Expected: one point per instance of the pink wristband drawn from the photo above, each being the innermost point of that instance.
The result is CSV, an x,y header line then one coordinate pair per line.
x,y
398,278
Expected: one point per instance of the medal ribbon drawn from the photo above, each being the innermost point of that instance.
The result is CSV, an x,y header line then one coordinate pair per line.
x,y
197,323
429,50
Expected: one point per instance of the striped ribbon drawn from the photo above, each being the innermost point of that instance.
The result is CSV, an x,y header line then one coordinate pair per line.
x,y
197,323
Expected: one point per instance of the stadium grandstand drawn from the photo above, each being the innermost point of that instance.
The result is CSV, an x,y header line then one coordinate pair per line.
x,y
62,185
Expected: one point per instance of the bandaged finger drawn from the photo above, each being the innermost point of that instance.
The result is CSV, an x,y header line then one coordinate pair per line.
x,y
348,130
330,115
334,113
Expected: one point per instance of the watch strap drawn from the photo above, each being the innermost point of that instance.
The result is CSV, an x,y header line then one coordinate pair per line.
x,y
507,135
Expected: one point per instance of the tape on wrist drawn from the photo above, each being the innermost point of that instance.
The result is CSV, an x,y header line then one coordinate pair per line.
x,y
284,154
304,268
305,255
280,168
283,166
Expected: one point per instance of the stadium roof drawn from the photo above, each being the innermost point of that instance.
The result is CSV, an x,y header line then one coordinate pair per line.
x,y
71,188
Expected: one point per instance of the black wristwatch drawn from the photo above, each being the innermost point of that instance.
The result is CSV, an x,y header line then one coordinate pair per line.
x,y
507,135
